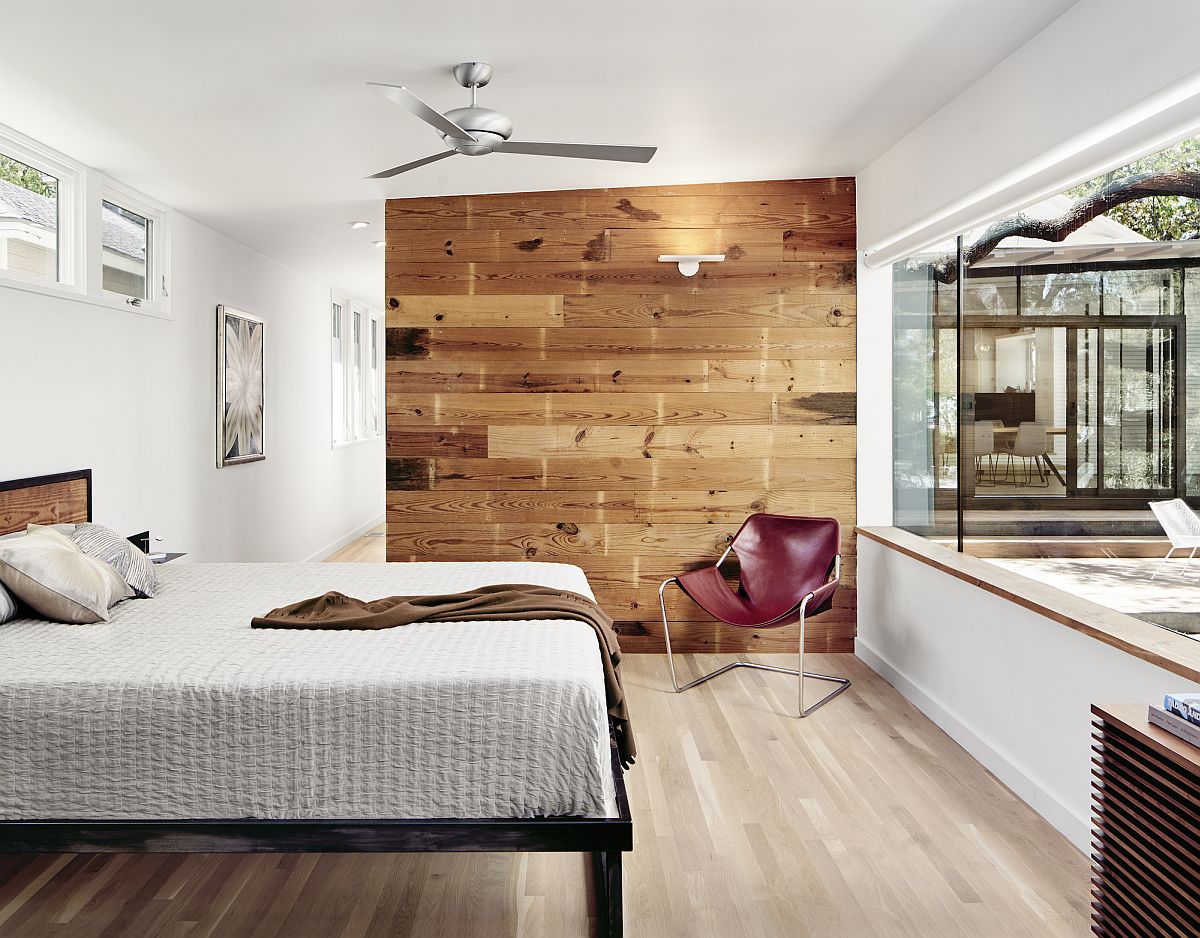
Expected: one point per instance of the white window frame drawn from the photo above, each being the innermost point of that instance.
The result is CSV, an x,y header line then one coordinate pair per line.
x,y
81,193
158,259
71,178
354,420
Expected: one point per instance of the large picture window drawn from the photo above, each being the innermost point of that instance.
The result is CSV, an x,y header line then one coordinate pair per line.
x,y
1049,362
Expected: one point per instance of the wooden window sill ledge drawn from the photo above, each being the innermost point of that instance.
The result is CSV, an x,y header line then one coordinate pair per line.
x,y
1152,643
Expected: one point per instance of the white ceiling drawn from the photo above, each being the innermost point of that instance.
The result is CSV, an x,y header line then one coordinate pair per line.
x,y
252,115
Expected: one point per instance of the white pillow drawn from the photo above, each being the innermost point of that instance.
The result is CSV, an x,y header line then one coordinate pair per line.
x,y
49,573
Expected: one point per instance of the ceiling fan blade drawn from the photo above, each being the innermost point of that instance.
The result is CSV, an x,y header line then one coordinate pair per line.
x,y
405,167
581,151
411,103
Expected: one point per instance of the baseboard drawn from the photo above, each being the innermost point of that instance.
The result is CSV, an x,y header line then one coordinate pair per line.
x,y
330,549
1075,828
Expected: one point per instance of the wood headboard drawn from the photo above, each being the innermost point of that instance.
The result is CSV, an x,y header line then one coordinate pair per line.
x,y
62,498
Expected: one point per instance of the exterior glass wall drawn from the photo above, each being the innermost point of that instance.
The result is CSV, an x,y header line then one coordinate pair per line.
x,y
924,400
1064,384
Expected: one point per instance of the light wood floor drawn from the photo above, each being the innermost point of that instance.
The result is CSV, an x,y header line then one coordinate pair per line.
x,y
863,820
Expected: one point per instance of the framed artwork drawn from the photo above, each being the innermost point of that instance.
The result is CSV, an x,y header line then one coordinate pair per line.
x,y
240,387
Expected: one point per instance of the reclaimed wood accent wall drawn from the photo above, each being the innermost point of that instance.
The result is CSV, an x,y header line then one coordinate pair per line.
x,y
555,393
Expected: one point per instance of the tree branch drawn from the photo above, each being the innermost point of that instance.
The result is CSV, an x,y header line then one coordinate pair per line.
x,y
1129,189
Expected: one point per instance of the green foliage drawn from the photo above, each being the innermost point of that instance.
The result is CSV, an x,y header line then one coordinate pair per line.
x,y
27,177
1160,218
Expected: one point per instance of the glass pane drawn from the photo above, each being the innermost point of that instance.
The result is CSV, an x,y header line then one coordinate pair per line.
x,y
982,296
356,372
125,253
338,377
925,404
28,220
1191,309
1142,292
1087,409
1139,397
375,376
1073,293
1014,382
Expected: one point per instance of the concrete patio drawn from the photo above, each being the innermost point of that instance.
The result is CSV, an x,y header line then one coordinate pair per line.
x,y
1124,583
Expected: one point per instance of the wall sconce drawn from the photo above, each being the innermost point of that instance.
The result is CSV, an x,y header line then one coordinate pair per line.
x,y
689,264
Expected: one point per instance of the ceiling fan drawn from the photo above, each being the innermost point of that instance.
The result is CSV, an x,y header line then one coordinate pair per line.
x,y
478,131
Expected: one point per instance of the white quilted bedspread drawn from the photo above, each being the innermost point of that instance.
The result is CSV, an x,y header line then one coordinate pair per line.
x,y
178,709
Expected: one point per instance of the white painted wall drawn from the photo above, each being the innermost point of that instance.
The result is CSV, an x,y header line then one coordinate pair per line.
x,y
133,398
1080,95
1011,686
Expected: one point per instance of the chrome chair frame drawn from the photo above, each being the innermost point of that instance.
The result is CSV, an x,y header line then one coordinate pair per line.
x,y
798,672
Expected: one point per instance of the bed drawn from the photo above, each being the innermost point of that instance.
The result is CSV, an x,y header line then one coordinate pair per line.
x,y
176,728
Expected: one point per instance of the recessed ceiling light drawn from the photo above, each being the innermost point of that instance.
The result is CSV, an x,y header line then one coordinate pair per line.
x,y
358,224
379,244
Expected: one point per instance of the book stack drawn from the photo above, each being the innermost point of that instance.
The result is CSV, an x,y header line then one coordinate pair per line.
x,y
1180,715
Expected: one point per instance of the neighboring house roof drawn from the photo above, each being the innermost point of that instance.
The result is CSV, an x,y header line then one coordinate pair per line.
x,y
119,233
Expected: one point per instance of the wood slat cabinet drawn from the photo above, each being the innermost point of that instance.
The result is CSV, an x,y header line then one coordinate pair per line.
x,y
1146,828
556,393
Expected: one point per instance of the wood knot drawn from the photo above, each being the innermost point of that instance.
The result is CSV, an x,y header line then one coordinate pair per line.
x,y
438,317
531,245
734,252
597,248
641,214
393,303
567,527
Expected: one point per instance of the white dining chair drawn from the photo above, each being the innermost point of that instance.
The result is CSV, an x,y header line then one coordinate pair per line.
x,y
1182,528
1031,444
985,445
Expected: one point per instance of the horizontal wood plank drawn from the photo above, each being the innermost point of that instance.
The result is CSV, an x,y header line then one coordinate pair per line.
x,y
528,345
658,442
623,505
449,408
817,474
805,277
474,311
623,209
709,309
633,375
491,245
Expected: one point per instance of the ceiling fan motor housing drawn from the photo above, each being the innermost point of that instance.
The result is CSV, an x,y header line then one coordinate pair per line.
x,y
490,128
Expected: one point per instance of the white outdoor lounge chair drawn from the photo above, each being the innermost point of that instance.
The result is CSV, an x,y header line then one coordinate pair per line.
x,y
1182,527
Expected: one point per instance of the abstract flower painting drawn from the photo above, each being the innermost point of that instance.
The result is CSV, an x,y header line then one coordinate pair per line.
x,y
240,387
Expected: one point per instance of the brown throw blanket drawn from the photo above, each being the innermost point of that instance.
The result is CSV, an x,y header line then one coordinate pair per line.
x,y
488,603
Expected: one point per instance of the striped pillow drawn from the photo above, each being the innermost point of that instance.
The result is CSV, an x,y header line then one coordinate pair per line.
x,y
8,605
107,545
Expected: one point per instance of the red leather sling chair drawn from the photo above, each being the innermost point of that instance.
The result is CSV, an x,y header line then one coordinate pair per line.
x,y
789,572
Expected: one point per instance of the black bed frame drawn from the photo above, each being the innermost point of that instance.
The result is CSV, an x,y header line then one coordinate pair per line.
x,y
605,838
